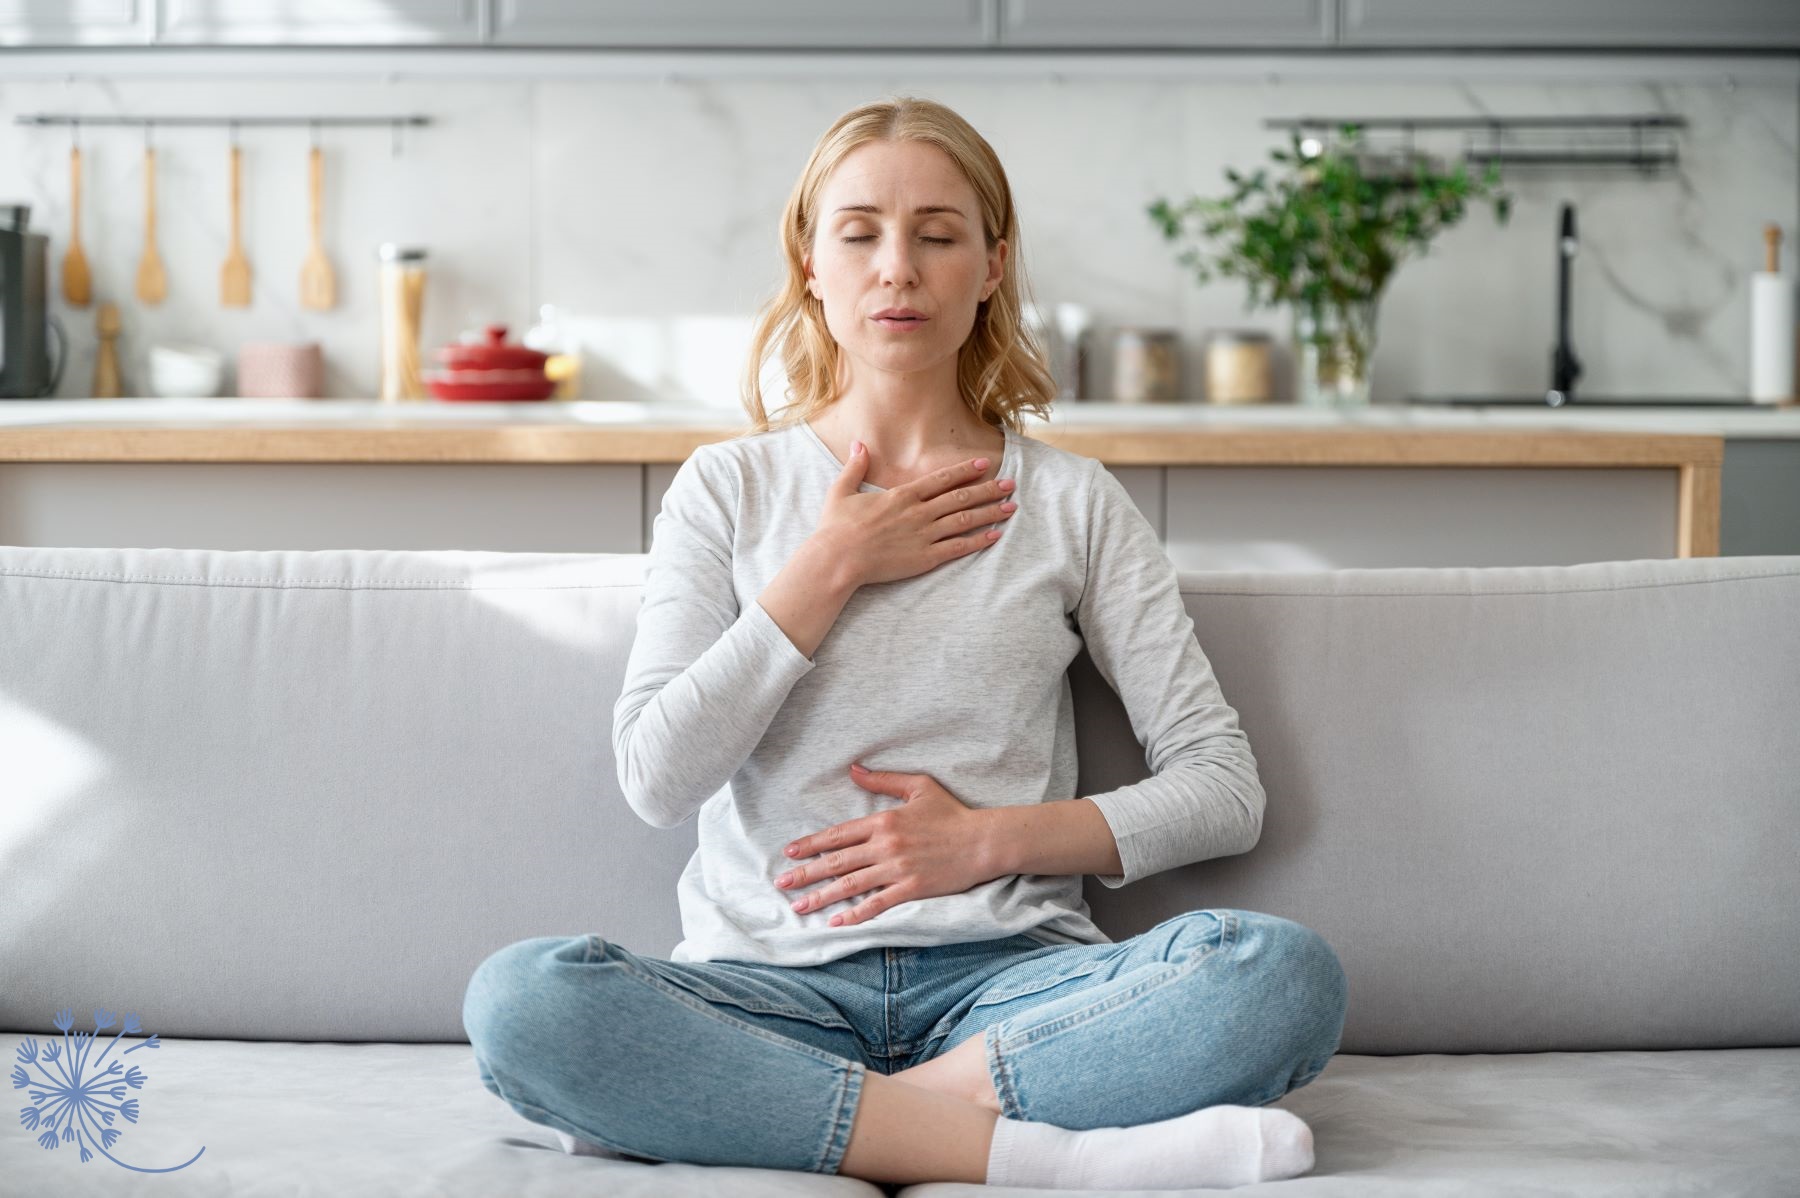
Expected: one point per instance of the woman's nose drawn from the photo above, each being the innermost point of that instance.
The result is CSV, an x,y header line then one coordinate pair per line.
x,y
897,267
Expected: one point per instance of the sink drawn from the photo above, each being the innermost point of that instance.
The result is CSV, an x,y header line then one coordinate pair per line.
x,y
1541,400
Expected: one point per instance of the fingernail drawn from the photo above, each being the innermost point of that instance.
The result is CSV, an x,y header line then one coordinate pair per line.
x,y
793,850
855,447
857,767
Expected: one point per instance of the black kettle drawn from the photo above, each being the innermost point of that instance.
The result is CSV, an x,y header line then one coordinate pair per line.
x,y
26,371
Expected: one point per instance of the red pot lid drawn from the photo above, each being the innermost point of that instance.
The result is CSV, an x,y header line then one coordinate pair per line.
x,y
492,354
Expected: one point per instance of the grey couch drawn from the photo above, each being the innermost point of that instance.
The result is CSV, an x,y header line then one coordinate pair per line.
x,y
275,807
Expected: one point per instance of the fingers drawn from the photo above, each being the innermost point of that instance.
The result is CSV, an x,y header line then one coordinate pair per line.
x,y
949,478
869,908
845,887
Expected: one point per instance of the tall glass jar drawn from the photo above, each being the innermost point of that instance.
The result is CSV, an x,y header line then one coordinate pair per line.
x,y
401,293
1333,345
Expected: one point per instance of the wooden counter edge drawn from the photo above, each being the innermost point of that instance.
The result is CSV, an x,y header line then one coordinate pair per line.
x,y
1697,459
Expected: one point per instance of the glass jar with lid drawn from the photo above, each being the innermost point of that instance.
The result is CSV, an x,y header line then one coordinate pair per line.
x,y
1237,366
401,294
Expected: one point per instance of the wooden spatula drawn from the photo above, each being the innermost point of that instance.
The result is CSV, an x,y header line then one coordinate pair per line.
x,y
152,286
318,286
74,266
234,280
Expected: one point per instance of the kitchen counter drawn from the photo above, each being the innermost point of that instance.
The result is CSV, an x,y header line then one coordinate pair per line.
x,y
657,420
1300,485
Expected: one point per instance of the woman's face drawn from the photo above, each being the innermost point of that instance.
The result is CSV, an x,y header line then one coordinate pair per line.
x,y
875,250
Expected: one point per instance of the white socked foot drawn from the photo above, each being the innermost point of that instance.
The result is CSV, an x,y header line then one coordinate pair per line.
x,y
1219,1146
579,1147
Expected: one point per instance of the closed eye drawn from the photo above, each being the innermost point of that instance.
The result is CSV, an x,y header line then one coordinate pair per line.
x,y
934,240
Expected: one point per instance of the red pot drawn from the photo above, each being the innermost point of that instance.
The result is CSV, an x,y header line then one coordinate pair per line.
x,y
490,370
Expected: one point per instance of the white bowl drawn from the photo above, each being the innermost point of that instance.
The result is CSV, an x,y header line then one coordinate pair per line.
x,y
185,371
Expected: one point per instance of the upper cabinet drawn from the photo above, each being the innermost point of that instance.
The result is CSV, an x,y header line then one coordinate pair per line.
x,y
317,22
858,24
76,23
1167,24
1580,24
993,25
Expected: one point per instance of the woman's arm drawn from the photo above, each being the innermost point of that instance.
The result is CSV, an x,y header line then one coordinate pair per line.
x,y
807,596
1064,837
1204,798
705,677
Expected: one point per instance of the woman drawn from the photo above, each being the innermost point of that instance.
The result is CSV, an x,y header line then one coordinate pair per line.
x,y
891,974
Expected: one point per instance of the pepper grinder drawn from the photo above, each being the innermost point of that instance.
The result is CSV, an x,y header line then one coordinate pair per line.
x,y
106,364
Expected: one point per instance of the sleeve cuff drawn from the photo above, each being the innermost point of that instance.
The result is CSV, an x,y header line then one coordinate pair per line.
x,y
764,628
1127,845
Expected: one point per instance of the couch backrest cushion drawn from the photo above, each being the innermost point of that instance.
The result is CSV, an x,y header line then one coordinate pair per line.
x,y
302,794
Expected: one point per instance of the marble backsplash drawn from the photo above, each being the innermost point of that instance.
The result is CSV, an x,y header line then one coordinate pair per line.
x,y
646,210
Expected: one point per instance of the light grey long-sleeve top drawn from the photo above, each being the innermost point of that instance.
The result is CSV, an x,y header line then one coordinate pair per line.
x,y
959,673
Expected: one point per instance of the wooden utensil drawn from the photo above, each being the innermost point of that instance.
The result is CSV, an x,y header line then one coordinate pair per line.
x,y
318,286
234,280
75,281
106,366
152,285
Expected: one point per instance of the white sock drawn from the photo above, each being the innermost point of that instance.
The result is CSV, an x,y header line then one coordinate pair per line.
x,y
1218,1146
578,1147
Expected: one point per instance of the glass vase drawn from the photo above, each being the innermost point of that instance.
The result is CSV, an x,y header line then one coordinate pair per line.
x,y
1333,346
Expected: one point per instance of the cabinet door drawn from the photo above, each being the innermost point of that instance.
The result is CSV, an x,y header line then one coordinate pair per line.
x,y
320,22
860,24
76,23
1078,24
1458,24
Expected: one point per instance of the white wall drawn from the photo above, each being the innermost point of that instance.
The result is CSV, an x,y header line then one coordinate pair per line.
x,y
645,204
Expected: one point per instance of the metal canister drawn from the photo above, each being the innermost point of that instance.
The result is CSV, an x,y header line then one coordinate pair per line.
x,y
1237,366
1146,365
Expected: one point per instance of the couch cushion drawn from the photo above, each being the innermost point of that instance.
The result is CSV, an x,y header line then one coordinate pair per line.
x,y
1531,808
327,1119
281,1118
1647,1124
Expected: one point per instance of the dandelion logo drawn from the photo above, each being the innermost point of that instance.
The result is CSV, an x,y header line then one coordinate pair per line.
x,y
71,1097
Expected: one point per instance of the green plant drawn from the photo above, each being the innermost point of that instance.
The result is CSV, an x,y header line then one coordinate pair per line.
x,y
1325,234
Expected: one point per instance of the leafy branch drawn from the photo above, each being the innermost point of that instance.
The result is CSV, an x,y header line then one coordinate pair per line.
x,y
1324,233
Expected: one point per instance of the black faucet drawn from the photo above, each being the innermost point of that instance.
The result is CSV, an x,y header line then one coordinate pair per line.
x,y
1565,367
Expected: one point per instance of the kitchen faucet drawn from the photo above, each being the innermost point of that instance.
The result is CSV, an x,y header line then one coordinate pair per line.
x,y
1565,367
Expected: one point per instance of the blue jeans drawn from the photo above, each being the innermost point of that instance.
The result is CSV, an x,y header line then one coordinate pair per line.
x,y
735,1063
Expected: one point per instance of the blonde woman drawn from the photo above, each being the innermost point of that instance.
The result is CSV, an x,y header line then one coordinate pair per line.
x,y
850,664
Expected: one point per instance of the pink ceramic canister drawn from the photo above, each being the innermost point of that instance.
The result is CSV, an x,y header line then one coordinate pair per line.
x,y
280,370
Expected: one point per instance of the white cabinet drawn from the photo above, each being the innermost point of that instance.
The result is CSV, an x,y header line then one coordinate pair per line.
x,y
76,22
1326,518
319,22
1584,24
1168,24
772,24
536,508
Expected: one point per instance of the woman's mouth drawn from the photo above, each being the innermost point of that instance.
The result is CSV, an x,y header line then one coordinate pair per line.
x,y
906,324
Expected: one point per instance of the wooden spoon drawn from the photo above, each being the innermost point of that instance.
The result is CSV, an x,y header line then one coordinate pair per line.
x,y
234,280
318,286
152,286
74,266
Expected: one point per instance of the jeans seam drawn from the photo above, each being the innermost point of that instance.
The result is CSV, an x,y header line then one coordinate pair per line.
x,y
1011,1106
831,1156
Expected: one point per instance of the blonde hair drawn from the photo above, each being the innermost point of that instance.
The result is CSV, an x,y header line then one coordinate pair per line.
x,y
1001,368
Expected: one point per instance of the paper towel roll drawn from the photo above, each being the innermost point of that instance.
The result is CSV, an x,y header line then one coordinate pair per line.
x,y
1771,338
